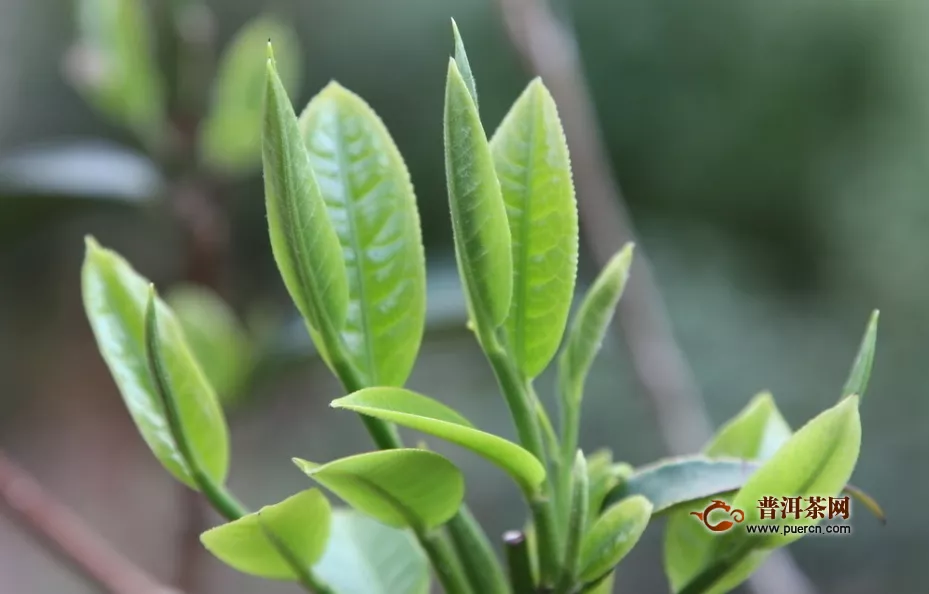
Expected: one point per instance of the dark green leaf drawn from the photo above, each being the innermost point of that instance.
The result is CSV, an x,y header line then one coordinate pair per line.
x,y
230,136
419,412
115,297
534,169
370,200
401,487
303,240
366,557
300,523
479,224
675,481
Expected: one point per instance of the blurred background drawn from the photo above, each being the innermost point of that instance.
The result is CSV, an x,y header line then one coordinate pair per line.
x,y
774,157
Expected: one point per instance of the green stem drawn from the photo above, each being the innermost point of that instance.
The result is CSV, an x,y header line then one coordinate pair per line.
x,y
476,553
219,497
570,426
580,493
517,560
446,565
519,400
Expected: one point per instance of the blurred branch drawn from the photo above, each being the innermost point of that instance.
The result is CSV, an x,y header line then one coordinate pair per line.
x,y
549,49
64,533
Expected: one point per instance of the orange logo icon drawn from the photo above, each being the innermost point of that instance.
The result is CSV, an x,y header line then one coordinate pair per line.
x,y
704,516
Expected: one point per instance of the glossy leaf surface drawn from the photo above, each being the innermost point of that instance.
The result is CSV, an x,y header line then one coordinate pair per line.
x,y
612,536
479,225
115,296
364,556
230,136
304,243
532,163
401,488
371,204
300,523
421,413
590,325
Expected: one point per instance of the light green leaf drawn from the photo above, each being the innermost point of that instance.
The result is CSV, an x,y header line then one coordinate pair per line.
x,y
532,163
675,481
756,433
300,523
604,476
370,200
817,460
366,557
464,66
216,338
857,381
304,243
115,298
421,413
230,136
114,65
401,487
479,224
590,325
612,537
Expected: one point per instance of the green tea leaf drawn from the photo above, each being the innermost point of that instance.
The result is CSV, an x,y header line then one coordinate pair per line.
x,y
115,298
532,163
590,325
366,557
464,67
421,413
612,537
370,200
675,481
300,523
756,433
479,224
858,377
230,136
401,487
114,65
216,338
304,243
817,460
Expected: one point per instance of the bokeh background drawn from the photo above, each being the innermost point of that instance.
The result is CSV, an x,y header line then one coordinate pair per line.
x,y
774,157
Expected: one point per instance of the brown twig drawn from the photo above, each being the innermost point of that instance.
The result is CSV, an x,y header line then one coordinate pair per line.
x,y
65,534
549,49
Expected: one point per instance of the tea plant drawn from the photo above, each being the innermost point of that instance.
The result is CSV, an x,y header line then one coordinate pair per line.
x,y
345,234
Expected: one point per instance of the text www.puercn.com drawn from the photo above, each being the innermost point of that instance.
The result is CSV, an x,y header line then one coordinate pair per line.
x,y
791,530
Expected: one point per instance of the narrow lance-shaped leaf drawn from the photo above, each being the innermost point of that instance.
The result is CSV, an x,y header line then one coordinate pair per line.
x,y
371,204
230,136
857,381
364,556
590,325
269,542
464,66
612,537
421,413
577,524
479,225
400,487
303,241
115,298
534,169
